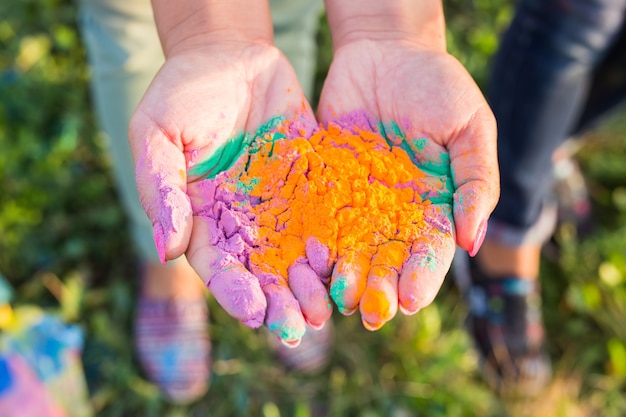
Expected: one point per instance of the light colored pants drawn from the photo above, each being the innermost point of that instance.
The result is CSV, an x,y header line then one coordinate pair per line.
x,y
124,53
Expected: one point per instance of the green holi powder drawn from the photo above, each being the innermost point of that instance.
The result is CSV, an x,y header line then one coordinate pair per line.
x,y
339,286
429,260
419,144
438,168
226,156
286,333
442,168
246,188
223,158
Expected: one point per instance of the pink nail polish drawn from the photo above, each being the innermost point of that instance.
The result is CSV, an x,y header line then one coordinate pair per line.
x,y
480,237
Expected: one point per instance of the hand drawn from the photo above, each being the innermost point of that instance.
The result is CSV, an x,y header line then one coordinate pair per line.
x,y
423,100
183,135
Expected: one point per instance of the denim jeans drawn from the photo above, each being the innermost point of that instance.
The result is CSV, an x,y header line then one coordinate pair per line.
x,y
560,67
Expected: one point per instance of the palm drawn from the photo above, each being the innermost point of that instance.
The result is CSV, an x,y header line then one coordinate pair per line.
x,y
425,95
431,89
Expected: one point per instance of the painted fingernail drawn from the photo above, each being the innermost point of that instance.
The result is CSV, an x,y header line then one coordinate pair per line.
x,y
159,241
480,238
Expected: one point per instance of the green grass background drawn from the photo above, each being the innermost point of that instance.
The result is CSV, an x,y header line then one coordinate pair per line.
x,y
64,246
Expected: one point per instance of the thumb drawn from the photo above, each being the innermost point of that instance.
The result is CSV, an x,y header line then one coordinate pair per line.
x,y
474,162
162,183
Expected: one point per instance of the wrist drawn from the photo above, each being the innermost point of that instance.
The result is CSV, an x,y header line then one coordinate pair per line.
x,y
420,22
190,24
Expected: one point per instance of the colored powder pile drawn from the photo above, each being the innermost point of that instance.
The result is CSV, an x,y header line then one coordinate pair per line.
x,y
319,197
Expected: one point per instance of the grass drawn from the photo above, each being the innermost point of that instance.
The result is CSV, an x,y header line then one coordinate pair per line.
x,y
64,246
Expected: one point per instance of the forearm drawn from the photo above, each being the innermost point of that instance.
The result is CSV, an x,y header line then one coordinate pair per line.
x,y
420,21
186,24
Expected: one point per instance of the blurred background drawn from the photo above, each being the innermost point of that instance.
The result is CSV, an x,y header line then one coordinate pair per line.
x,y
64,246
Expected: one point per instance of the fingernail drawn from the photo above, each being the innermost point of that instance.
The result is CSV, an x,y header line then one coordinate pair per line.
x,y
290,343
480,238
408,311
372,327
159,241
346,311
315,326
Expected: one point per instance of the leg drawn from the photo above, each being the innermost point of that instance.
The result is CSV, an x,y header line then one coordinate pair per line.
x,y
541,79
608,86
540,84
295,28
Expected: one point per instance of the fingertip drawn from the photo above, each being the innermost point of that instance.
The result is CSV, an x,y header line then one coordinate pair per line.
x,y
159,241
479,238
239,293
318,326
347,302
319,258
409,301
172,223
473,204
424,272
372,327
347,311
348,281
415,291
290,344
408,310
284,317
379,303
308,289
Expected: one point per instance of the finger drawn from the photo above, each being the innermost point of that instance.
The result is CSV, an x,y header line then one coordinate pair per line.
x,y
311,294
429,262
236,289
284,317
319,258
474,163
379,302
161,182
348,281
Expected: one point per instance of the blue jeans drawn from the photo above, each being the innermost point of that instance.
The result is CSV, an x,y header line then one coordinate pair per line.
x,y
560,67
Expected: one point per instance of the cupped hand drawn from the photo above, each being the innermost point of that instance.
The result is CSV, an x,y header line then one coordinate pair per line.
x,y
192,126
421,100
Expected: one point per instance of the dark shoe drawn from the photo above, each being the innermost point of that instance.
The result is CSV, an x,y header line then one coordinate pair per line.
x,y
505,324
172,341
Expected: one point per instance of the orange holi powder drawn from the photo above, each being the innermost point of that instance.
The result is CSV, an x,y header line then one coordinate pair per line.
x,y
351,192
346,189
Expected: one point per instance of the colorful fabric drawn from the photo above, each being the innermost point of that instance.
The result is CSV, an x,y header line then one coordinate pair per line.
x,y
40,369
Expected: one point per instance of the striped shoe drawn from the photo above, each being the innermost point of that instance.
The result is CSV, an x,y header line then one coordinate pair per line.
x,y
173,345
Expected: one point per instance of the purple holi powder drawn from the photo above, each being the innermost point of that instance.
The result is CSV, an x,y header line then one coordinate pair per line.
x,y
318,256
359,119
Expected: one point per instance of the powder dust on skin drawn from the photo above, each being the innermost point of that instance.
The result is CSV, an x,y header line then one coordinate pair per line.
x,y
347,198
